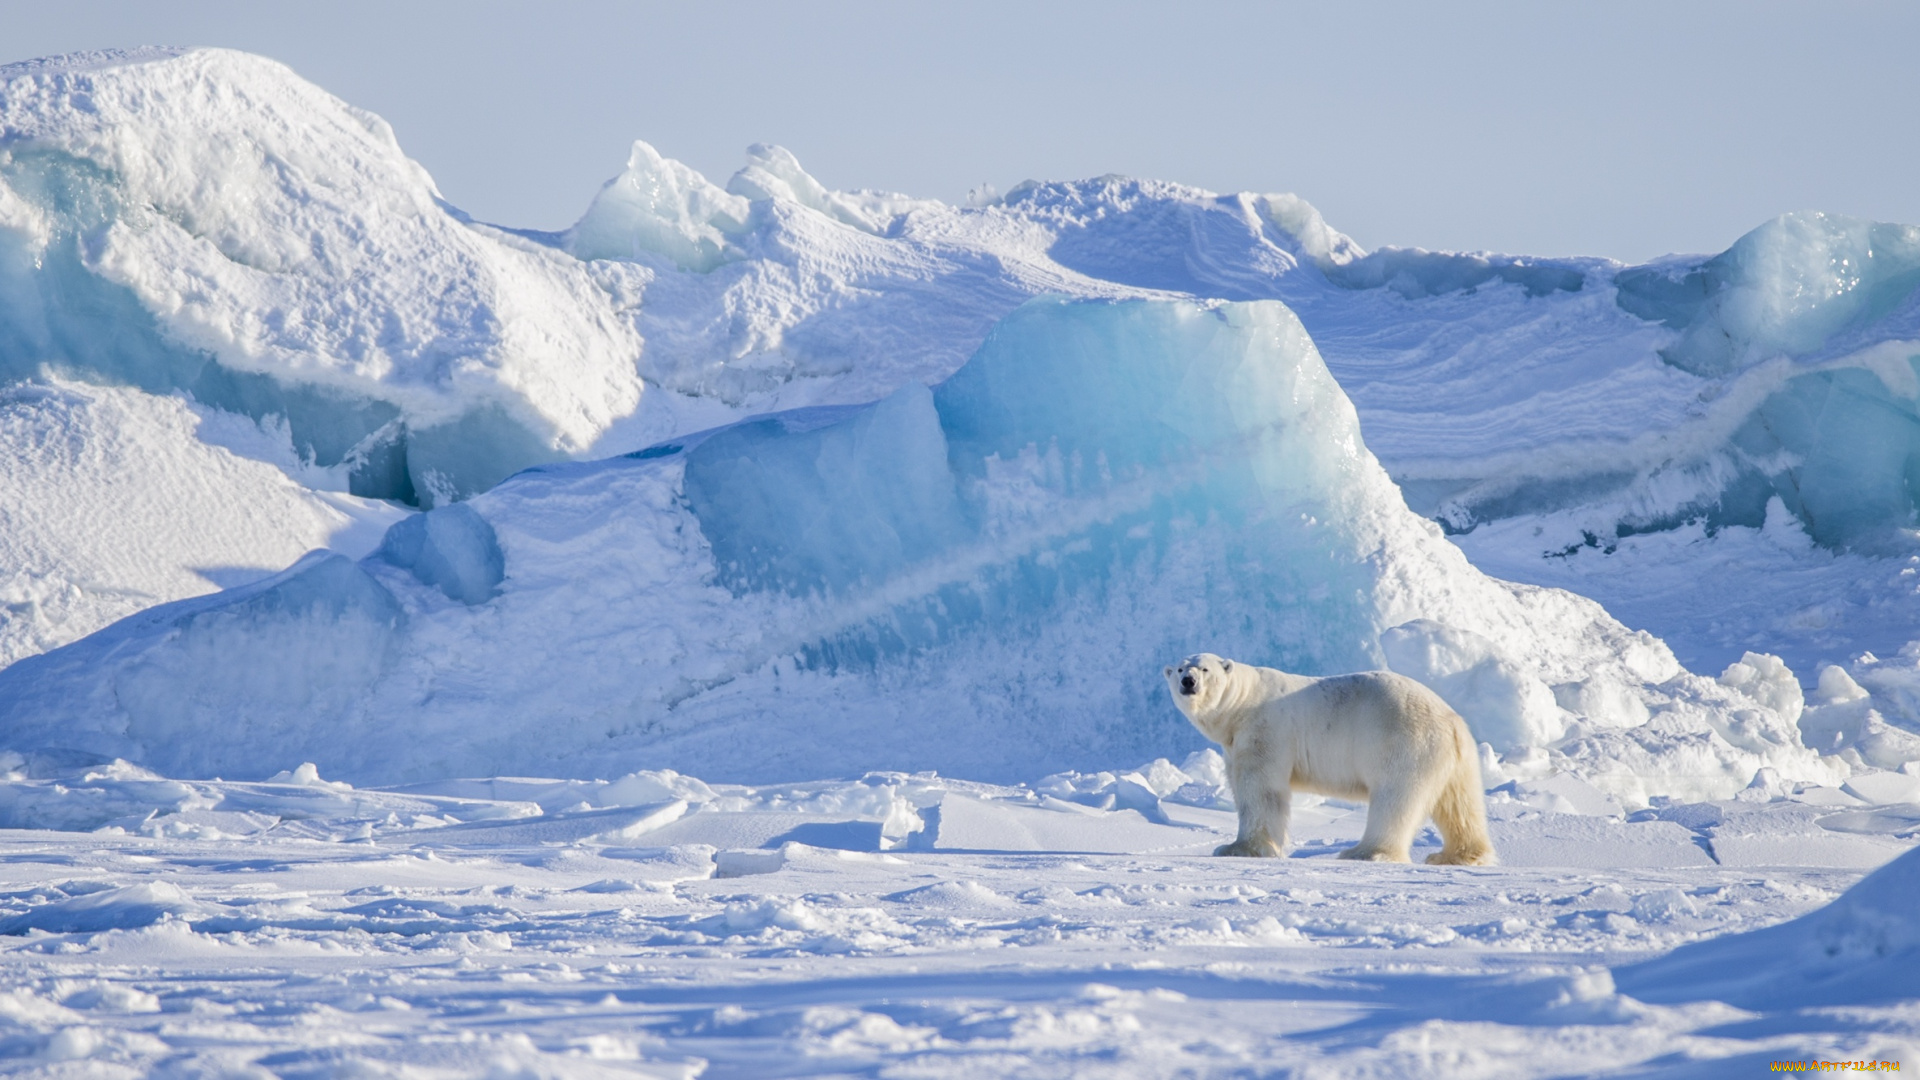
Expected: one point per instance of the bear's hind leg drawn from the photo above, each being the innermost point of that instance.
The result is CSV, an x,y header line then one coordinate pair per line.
x,y
1461,816
1394,815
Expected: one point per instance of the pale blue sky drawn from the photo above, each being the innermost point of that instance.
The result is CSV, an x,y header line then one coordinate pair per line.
x,y
1621,129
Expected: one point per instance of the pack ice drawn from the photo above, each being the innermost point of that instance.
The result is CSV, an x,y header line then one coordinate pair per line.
x,y
913,485
814,496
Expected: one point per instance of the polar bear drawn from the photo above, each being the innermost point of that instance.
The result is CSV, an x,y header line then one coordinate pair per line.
x,y
1373,735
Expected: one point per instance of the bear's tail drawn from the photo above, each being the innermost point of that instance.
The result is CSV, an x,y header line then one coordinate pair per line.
x,y
1461,813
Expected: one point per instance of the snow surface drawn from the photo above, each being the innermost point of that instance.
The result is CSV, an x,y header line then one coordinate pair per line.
x,y
765,482
905,925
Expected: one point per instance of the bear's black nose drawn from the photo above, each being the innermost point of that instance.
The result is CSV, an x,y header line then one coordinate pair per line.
x,y
1186,683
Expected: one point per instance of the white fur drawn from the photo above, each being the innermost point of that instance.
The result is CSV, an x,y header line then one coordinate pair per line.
x,y
1373,735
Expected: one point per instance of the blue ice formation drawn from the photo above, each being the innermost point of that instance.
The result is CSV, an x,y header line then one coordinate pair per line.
x,y
1415,273
1825,310
1838,441
1087,454
850,503
1509,386
1838,446
451,548
983,577
309,640
1841,450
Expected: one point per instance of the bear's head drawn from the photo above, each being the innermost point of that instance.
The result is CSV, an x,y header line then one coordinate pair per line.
x,y
1199,682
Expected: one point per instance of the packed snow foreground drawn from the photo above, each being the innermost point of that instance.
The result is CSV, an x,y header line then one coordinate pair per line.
x,y
304,474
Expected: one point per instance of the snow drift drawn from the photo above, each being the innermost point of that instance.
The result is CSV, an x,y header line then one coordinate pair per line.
x,y
1860,949
982,578
112,500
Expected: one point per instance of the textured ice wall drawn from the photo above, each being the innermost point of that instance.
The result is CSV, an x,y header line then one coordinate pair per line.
x,y
1782,368
983,578
206,221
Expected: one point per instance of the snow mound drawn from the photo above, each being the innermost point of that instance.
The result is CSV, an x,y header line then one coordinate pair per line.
x,y
1103,487
125,908
1841,717
1864,948
206,221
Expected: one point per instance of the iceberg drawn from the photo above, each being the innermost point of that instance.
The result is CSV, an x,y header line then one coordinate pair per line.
x,y
982,577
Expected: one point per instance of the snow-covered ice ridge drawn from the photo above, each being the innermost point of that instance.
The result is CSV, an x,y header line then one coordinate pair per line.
x,y
910,584
1150,459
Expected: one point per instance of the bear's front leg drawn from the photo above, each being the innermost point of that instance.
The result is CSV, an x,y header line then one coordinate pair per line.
x,y
1263,809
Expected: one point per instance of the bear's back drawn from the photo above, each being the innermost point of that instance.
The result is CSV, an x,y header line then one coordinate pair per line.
x,y
1391,700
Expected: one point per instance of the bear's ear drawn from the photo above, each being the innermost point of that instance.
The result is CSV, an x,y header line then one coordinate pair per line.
x,y
1168,670
1226,665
